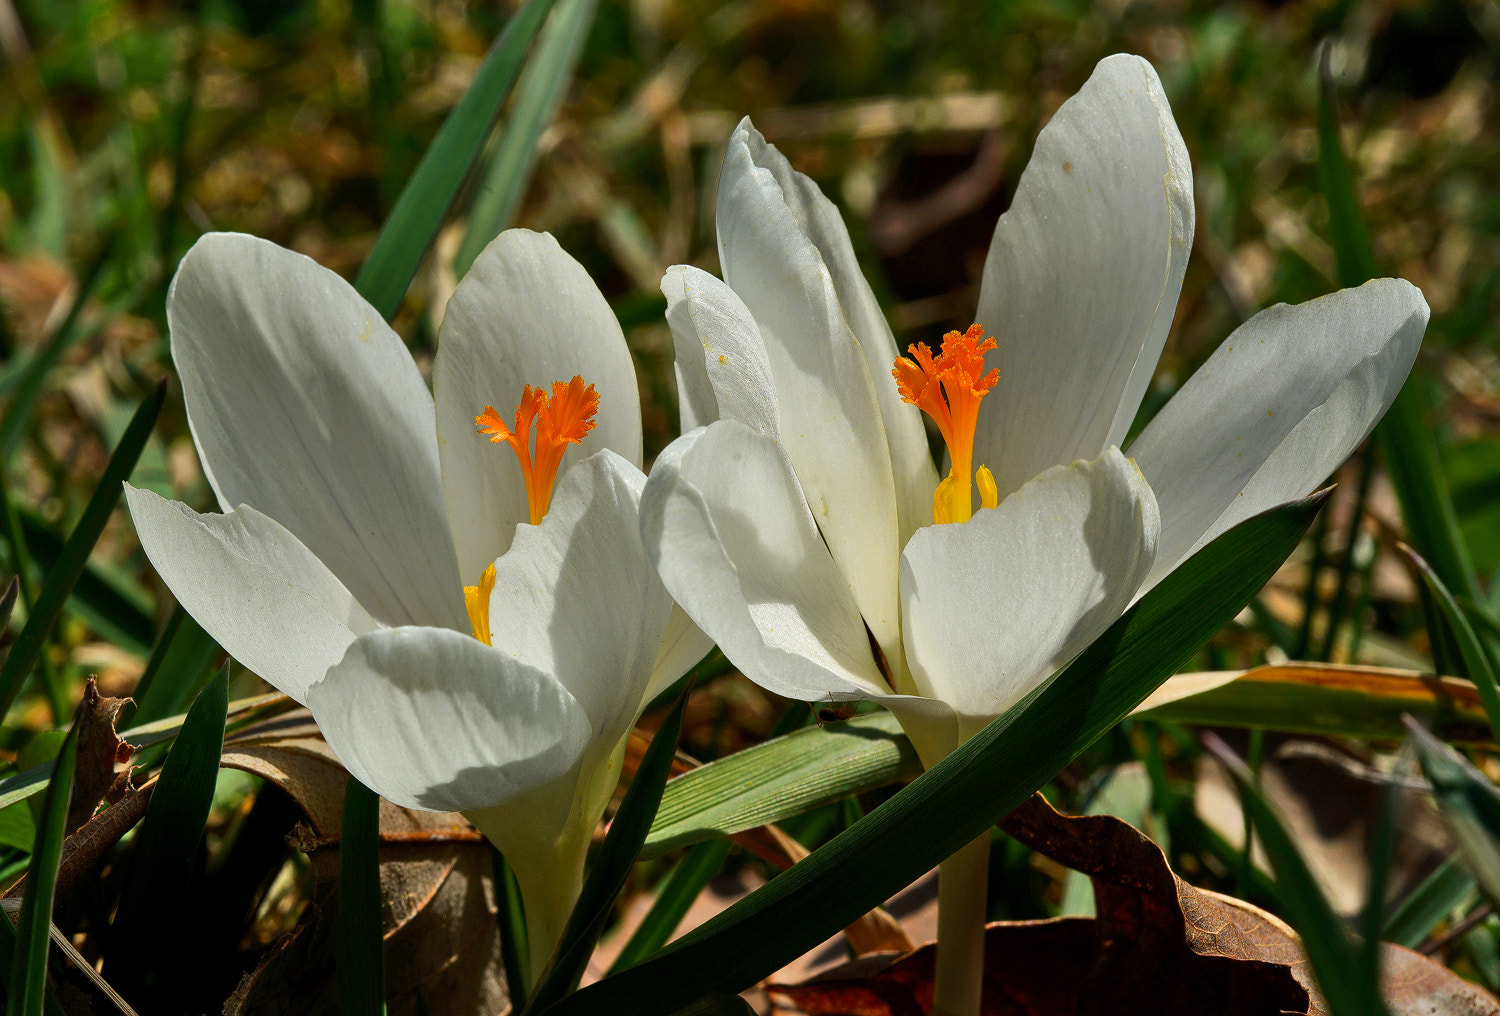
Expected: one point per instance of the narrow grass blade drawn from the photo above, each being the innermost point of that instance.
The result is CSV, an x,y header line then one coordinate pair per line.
x,y
27,988
1461,634
611,865
538,97
60,579
777,779
118,610
1429,904
167,843
174,673
1345,972
1470,804
960,797
361,943
8,601
412,224
515,945
717,1004
677,893
1404,437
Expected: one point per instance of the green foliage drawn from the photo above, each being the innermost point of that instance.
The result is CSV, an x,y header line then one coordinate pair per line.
x,y
361,953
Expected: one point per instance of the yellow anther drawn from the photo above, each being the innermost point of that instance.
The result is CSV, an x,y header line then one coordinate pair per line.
x,y
477,603
989,494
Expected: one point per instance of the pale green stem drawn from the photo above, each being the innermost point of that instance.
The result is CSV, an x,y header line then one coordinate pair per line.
x,y
963,883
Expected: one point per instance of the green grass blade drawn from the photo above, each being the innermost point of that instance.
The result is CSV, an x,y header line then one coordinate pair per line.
x,y
27,989
538,97
118,610
1345,972
167,843
1404,436
183,654
1460,633
1470,804
515,945
408,232
960,797
611,866
60,579
717,1004
361,942
1429,904
687,880
777,779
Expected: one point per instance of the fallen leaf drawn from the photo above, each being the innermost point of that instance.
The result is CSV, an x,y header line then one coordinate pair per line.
x,y
100,754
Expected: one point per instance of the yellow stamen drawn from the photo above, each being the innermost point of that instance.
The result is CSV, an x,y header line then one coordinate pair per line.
x,y
477,603
563,418
948,388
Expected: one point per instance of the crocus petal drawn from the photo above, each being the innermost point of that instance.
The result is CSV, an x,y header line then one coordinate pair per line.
x,y
830,417
820,221
1275,409
728,528
1083,275
722,372
526,313
994,605
434,719
577,597
260,593
306,406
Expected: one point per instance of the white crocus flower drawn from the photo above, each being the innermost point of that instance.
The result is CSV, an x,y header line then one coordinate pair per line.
x,y
795,526
356,510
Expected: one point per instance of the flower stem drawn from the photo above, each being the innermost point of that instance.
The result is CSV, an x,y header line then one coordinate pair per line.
x,y
963,881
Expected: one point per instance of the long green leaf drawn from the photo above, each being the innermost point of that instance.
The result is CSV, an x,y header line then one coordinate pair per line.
x,y
1404,436
677,894
960,797
1470,804
117,609
361,944
1461,634
27,989
777,779
23,654
167,844
174,673
419,211
515,943
611,866
538,97
1345,972
1429,904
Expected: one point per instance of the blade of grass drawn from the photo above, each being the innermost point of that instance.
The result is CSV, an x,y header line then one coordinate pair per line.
x,y
1469,803
118,610
538,96
1448,887
419,211
677,893
360,943
960,797
611,866
60,580
166,847
184,653
1345,971
1461,634
777,779
515,947
27,989
1404,436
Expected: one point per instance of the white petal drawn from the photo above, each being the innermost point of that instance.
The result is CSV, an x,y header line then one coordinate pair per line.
x,y
830,417
1276,409
576,597
722,372
683,644
305,405
730,533
526,313
1083,275
994,605
820,221
260,593
434,719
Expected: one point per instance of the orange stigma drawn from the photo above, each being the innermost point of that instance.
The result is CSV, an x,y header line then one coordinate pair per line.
x,y
948,388
562,418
